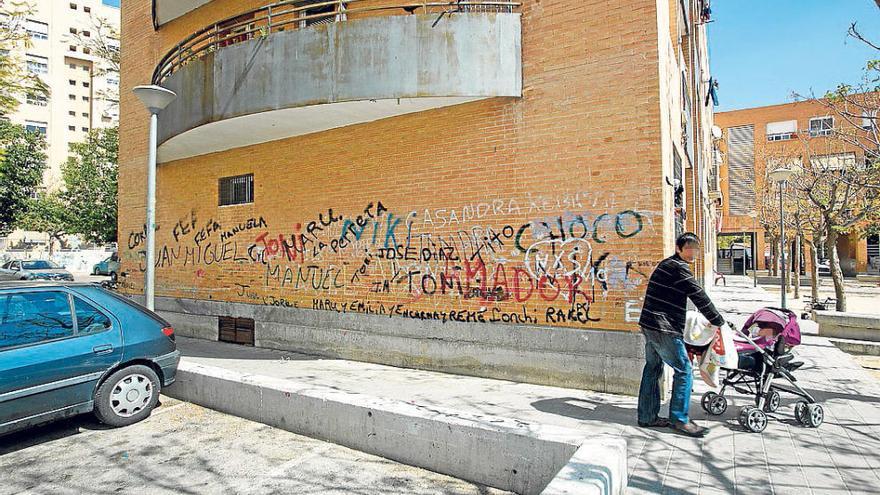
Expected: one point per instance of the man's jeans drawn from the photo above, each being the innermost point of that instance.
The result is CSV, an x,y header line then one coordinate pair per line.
x,y
665,348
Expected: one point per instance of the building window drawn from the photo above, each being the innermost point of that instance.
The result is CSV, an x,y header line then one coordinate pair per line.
x,y
40,127
87,51
72,48
85,129
781,131
85,98
821,126
72,82
87,34
112,81
72,30
71,128
73,66
37,64
87,9
237,190
86,114
73,6
37,30
869,121
85,85
72,97
71,113
834,161
37,100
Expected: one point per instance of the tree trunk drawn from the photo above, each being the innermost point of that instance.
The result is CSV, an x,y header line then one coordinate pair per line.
x,y
814,269
836,272
774,258
796,264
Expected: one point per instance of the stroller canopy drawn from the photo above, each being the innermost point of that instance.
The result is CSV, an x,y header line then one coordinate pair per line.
x,y
782,321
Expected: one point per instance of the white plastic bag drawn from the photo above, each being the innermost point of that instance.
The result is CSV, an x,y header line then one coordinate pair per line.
x,y
697,329
709,371
722,352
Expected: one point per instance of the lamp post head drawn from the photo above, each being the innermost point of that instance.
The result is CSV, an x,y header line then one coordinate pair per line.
x,y
781,174
155,98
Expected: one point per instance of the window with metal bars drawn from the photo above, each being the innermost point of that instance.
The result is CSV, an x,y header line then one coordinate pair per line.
x,y
237,190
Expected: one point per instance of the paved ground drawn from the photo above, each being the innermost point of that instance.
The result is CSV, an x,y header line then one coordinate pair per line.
x,y
843,456
186,449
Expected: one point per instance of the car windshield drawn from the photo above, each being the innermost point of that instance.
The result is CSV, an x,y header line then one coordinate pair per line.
x,y
38,265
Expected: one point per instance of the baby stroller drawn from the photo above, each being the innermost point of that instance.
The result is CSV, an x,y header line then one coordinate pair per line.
x,y
772,359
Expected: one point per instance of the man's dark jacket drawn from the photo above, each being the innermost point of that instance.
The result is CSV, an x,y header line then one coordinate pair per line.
x,y
669,288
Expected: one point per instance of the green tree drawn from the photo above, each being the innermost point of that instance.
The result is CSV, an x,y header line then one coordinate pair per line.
x,y
90,186
22,161
46,213
16,82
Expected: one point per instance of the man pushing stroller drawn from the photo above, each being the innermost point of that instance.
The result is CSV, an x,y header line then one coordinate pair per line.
x,y
662,322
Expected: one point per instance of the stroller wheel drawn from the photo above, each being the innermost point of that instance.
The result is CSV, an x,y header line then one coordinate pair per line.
x,y
814,416
743,414
800,412
771,401
717,405
755,420
706,400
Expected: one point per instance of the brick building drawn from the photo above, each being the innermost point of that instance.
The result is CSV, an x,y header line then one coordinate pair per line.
x,y
754,137
481,189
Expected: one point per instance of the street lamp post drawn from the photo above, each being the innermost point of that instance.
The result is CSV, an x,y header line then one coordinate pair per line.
x,y
155,98
780,176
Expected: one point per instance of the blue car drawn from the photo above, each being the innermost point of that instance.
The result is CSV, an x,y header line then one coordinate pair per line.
x,y
68,349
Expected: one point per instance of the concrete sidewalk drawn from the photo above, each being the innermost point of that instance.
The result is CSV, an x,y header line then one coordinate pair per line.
x,y
842,456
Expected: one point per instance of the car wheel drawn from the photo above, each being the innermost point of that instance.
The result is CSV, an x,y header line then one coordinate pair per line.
x,y
113,277
127,396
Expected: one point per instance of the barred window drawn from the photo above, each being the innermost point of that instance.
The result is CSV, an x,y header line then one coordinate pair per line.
x,y
237,190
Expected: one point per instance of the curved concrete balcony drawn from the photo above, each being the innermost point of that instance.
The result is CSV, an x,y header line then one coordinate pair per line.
x,y
262,83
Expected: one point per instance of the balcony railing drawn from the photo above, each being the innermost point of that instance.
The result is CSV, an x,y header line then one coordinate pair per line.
x,y
283,16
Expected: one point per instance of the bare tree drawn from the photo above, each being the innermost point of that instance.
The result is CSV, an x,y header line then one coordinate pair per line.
x,y
846,192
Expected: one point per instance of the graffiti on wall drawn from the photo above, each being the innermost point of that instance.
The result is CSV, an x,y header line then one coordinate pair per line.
x,y
566,262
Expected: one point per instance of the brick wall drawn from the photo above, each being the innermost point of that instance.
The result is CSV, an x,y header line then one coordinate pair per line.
x,y
546,209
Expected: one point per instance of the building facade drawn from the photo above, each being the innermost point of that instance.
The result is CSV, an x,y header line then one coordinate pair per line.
x,y
755,141
481,189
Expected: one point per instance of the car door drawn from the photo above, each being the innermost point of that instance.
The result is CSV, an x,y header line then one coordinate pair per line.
x,y
54,348
6,271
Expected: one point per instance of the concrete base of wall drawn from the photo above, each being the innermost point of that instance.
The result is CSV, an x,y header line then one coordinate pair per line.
x,y
604,361
497,452
852,326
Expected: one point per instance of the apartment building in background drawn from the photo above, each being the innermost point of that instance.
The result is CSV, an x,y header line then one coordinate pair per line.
x,y
759,139
481,188
82,95
78,101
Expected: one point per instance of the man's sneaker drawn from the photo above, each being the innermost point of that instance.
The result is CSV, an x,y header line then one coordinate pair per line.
x,y
690,429
657,423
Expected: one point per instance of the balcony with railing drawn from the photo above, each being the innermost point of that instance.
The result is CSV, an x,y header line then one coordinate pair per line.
x,y
294,68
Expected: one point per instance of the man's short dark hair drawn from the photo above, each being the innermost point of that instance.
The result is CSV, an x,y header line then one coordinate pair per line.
x,y
685,239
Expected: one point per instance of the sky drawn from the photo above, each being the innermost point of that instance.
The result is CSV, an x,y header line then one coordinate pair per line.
x,y
761,51
114,3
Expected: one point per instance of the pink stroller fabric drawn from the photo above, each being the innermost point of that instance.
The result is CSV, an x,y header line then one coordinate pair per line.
x,y
780,320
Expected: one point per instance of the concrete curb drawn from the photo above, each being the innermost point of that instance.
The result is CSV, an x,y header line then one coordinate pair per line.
x,y
862,347
499,452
